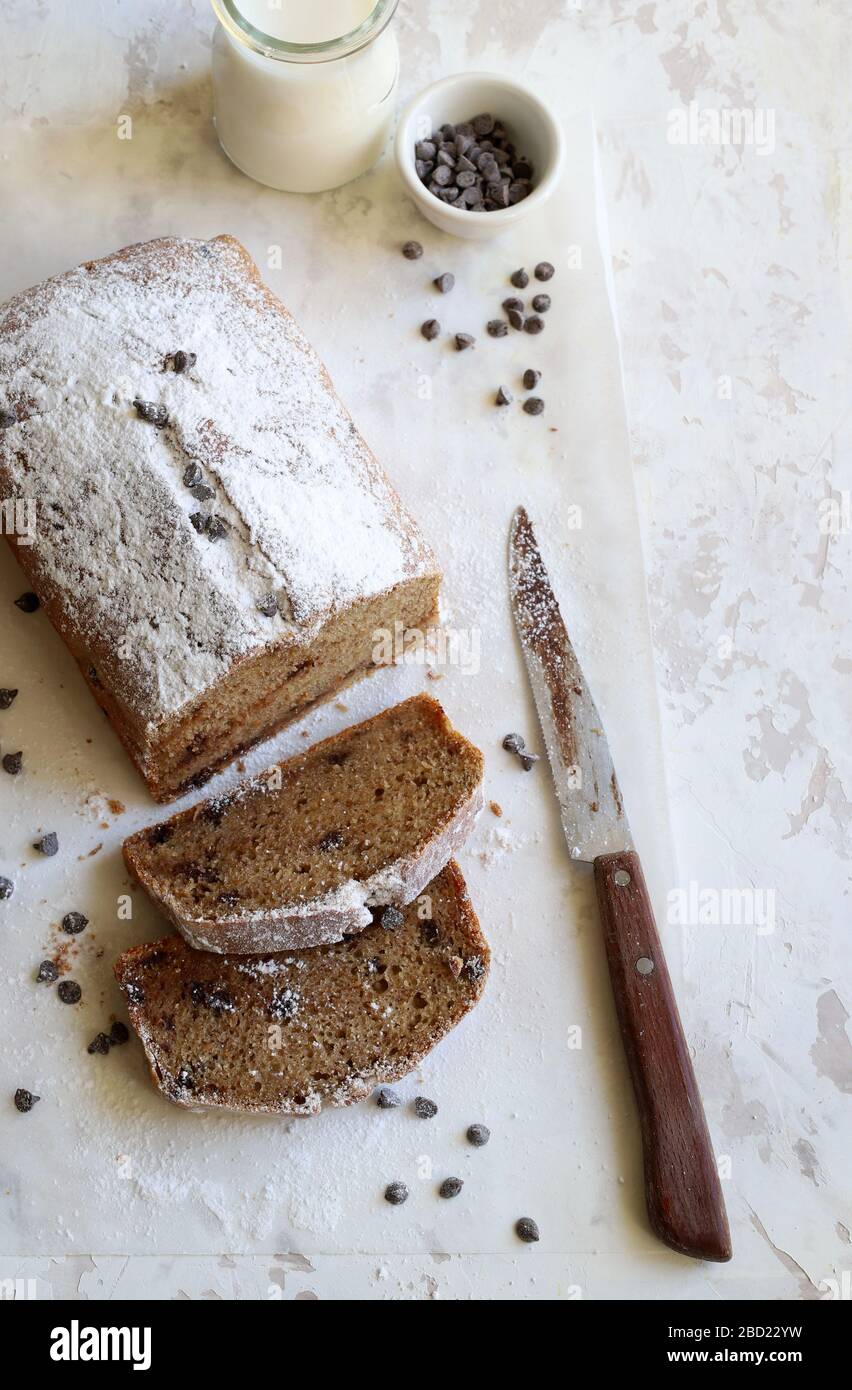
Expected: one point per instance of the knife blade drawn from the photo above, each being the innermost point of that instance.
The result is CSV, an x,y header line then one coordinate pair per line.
x,y
682,1189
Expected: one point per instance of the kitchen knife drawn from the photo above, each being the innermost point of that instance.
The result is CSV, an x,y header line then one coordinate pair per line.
x,y
682,1189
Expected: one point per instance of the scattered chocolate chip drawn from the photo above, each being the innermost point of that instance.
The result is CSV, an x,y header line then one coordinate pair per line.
x,y
464,340
230,899
6,698
533,324
135,993
12,763
8,418
99,1044
119,1033
528,761
425,1109
429,933
503,397
184,1080
450,1187
544,271
284,1005
541,303
527,1230
392,918
202,492
474,969
478,1135
7,888
28,603
513,303
513,743
531,378
444,282
69,991
47,973
48,845
197,994
159,834
386,1099
220,1001
516,318
430,329
268,606
153,413
519,279
216,529
183,361
25,1100
534,405
496,328
74,922
396,1193
192,475
333,840
412,250
199,521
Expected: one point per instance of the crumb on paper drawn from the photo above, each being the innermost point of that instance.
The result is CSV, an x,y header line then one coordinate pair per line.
x,y
495,808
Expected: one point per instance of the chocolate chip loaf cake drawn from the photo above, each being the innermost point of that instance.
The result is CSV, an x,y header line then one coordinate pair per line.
x,y
291,1033
214,539
300,854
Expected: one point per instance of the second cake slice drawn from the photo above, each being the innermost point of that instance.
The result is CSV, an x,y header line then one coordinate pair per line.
x,y
304,853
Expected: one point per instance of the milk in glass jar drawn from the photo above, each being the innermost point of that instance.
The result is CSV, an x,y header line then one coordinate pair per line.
x,y
304,91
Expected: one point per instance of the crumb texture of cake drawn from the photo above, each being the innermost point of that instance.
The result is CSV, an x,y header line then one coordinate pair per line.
x,y
308,850
291,1033
214,539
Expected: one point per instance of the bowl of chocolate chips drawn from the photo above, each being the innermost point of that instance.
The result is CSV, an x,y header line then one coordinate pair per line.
x,y
477,152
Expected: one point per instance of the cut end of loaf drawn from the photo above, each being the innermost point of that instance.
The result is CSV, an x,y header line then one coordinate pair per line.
x,y
294,1032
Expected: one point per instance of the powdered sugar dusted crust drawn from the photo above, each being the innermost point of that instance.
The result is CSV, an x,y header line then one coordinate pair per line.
x,y
160,611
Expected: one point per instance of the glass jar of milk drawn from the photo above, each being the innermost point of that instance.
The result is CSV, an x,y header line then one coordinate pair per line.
x,y
304,89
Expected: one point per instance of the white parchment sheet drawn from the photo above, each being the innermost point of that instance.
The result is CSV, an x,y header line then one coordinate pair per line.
x,y
103,1163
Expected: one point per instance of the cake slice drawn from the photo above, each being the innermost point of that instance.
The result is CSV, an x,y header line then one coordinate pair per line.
x,y
215,541
291,1033
299,855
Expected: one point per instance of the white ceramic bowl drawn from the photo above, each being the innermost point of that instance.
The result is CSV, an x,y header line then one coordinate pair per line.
x,y
534,129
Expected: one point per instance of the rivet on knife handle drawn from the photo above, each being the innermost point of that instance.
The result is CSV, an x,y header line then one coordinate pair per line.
x,y
682,1188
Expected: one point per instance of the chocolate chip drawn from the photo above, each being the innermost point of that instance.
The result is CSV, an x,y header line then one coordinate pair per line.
x,y
74,922
216,529
386,1099
474,969
429,933
444,282
424,168
48,845
503,397
69,991
412,250
450,1187
466,178
228,900
528,761
47,973
197,994
28,603
184,1080
484,124
7,419
513,743
99,1044
464,340
513,303
268,605
533,324
284,1005
478,1135
541,303
527,1230
496,328
430,329
531,378
220,1001
192,475
441,177
159,834
333,840
202,492
153,413
7,888
12,763
424,149
534,405
519,278
119,1033
199,521
544,271
135,993
396,1193
516,318
392,918
25,1100
183,361
6,698
446,157
425,1109
448,131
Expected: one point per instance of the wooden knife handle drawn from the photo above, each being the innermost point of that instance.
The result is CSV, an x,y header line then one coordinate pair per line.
x,y
682,1187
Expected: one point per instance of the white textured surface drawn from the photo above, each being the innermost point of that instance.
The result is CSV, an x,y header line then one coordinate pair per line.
x,y
726,266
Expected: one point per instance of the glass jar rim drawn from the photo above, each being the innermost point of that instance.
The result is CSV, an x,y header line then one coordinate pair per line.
x,y
231,18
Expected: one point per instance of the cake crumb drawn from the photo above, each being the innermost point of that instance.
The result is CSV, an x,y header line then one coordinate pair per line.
x,y
495,808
